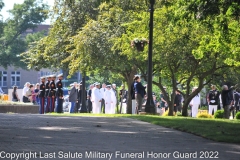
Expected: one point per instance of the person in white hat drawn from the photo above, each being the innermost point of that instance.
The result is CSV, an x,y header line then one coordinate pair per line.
x,y
42,96
195,102
59,93
114,92
212,98
109,98
52,93
96,99
47,89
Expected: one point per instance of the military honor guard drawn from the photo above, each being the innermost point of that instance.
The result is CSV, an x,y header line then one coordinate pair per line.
x,y
59,94
52,93
109,98
195,102
96,99
47,98
212,98
42,95
114,92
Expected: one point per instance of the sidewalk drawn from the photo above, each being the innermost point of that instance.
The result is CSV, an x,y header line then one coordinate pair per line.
x,y
25,136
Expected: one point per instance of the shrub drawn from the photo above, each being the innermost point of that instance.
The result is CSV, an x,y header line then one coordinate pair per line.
x,y
179,114
238,115
204,115
203,108
219,114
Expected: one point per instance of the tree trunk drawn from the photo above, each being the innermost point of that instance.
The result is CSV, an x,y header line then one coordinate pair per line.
x,y
129,78
185,109
129,101
170,108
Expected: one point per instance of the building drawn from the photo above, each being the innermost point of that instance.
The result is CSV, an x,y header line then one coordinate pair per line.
x,y
18,76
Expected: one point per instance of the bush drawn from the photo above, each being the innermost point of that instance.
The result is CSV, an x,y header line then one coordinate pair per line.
x,y
203,108
238,115
219,114
204,115
179,114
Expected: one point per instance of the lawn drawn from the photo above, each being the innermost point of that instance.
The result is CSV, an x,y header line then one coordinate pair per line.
x,y
215,129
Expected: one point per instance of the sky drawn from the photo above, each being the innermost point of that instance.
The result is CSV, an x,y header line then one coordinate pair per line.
x,y
8,4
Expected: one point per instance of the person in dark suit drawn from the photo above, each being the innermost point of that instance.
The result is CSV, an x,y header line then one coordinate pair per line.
x,y
139,92
42,95
177,102
59,94
227,100
73,96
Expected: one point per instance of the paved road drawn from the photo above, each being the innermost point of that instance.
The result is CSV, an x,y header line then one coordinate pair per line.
x,y
33,137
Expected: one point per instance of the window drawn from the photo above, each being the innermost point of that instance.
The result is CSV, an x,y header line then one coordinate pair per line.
x,y
15,78
3,79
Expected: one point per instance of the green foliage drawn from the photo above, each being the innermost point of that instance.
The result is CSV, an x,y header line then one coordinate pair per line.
x,y
23,16
219,114
203,108
194,42
204,115
178,114
238,115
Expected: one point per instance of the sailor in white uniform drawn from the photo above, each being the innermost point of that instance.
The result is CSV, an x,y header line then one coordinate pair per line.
x,y
96,99
108,97
195,102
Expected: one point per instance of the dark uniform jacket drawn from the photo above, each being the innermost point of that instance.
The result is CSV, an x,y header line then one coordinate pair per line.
x,y
213,97
42,90
52,91
59,88
47,88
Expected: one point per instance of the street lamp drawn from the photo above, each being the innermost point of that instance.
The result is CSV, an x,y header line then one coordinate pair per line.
x,y
150,107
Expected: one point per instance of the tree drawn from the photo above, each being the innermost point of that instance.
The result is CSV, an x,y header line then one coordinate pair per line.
x,y
180,53
23,16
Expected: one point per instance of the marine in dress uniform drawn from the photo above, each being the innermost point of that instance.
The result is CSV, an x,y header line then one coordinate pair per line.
x,y
42,96
52,93
59,94
47,98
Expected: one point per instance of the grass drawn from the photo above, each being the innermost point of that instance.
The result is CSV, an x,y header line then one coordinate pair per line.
x,y
215,129
220,130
